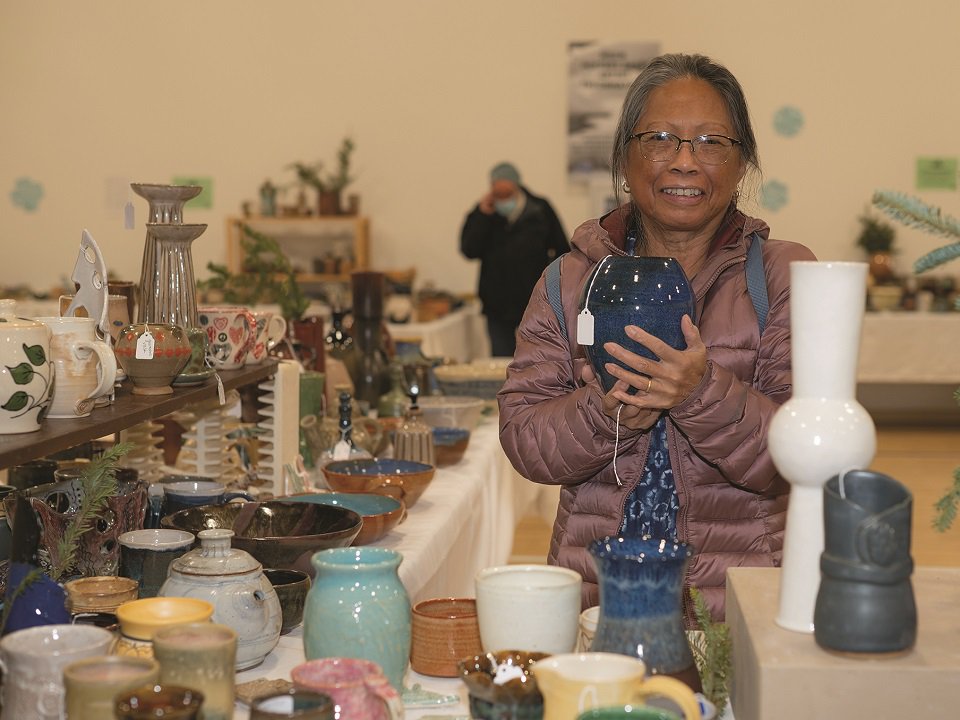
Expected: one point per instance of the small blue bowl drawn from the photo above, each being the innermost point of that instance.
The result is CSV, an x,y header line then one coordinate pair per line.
x,y
380,513
450,443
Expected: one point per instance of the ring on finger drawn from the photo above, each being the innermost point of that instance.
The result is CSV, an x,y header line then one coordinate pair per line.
x,y
649,383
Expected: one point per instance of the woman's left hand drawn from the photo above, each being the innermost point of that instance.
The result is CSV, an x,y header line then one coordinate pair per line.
x,y
660,384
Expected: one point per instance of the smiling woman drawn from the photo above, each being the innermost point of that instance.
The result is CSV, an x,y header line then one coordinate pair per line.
x,y
673,444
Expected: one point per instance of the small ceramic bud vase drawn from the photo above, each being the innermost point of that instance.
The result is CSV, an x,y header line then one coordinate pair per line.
x,y
152,355
26,371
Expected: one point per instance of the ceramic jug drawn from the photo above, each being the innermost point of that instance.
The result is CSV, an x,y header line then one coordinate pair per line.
x,y
574,683
865,602
85,366
26,371
641,586
243,598
357,607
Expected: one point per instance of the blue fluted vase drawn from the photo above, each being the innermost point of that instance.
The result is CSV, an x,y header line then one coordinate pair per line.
x,y
641,603
358,607
41,602
650,292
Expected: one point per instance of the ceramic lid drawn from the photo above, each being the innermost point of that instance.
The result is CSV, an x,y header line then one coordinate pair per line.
x,y
8,316
215,557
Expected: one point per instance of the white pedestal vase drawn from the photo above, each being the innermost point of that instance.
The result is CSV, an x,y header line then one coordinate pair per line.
x,y
822,430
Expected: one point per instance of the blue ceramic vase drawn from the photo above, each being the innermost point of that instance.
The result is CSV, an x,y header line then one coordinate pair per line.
x,y
42,602
650,292
641,601
357,607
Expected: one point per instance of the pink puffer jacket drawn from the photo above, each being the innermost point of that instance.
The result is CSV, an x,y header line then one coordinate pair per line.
x,y
552,427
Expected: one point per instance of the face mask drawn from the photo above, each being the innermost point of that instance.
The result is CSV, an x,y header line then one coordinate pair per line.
x,y
505,207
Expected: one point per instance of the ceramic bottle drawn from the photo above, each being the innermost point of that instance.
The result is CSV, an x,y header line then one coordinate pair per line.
x,y
243,598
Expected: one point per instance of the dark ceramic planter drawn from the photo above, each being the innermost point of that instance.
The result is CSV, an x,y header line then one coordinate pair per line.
x,y
650,292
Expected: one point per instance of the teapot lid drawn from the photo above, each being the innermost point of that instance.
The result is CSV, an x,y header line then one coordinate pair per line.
x,y
8,316
215,556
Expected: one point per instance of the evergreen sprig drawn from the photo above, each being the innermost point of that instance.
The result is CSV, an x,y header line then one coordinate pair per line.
x,y
29,579
917,214
714,655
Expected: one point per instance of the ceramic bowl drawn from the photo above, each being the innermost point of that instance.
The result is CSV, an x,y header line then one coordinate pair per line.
x,y
140,619
402,479
380,513
517,698
291,587
449,444
480,378
454,411
278,534
153,375
100,593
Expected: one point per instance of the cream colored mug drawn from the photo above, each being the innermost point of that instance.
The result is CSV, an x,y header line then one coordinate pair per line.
x,y
85,367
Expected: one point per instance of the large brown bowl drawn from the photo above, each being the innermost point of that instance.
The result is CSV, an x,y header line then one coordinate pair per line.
x,y
380,513
277,534
403,479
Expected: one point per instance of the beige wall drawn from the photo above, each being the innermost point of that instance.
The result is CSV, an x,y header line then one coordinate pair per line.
x,y
435,92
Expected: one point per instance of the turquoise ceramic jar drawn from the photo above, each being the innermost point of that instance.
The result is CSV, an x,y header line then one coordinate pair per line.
x,y
357,607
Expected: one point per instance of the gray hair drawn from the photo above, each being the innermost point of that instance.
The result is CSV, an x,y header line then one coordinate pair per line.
x,y
664,69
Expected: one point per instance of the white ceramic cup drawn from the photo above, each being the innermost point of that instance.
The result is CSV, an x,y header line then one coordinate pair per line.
x,y
85,367
270,330
528,607
33,660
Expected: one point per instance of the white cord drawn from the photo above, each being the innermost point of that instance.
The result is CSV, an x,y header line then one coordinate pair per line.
x,y
616,448
586,298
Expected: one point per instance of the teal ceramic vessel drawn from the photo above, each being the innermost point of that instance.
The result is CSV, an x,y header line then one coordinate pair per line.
x,y
358,608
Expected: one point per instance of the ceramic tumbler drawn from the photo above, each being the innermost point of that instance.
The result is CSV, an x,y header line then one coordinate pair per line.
x,y
271,329
93,683
159,702
293,705
201,655
292,587
444,631
84,366
528,607
32,662
145,556
231,333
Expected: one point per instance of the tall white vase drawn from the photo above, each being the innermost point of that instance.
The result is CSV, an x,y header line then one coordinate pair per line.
x,y
822,430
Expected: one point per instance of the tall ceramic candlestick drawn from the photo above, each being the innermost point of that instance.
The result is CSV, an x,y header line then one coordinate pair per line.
x,y
822,430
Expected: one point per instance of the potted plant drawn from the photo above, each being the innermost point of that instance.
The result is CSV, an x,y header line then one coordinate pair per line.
x,y
876,238
328,185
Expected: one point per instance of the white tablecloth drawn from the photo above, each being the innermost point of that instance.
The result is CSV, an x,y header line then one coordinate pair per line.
x,y
910,348
461,335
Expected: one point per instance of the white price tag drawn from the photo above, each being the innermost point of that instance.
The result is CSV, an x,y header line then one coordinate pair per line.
x,y
145,346
128,221
585,327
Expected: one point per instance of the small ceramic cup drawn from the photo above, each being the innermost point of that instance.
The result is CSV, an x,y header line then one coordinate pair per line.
x,y
444,630
192,492
271,329
200,655
154,702
100,593
145,556
534,607
231,333
93,683
293,704
292,587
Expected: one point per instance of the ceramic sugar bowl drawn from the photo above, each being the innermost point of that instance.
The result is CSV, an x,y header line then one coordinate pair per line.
x,y
242,596
26,371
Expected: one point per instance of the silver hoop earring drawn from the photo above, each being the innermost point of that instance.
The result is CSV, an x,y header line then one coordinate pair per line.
x,y
626,188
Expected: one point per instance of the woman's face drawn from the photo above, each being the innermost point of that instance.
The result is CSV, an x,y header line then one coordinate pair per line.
x,y
681,194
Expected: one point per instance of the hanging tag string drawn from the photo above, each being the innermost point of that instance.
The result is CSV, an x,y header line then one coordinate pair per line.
x,y
616,448
585,318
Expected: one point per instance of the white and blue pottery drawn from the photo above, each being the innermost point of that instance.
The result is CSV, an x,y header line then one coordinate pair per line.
x,y
357,607
650,292
641,601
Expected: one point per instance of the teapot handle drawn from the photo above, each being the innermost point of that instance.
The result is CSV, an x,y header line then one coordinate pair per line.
x,y
381,687
672,689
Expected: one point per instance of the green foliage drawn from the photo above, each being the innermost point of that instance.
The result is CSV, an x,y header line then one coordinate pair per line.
x,y
331,182
713,654
267,277
876,236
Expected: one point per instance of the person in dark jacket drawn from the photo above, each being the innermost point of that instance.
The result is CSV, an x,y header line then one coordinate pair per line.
x,y
515,234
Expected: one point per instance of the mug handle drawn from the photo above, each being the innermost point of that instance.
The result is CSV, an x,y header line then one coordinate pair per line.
x,y
251,335
106,370
672,689
276,330
381,687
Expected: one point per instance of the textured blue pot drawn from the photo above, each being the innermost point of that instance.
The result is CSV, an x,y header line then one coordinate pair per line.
x,y
43,602
641,586
357,607
650,292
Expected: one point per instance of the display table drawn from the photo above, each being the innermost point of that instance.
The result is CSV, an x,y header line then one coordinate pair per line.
x,y
910,348
460,335
785,675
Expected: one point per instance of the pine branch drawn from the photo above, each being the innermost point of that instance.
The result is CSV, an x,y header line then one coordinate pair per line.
x,y
29,579
918,214
714,656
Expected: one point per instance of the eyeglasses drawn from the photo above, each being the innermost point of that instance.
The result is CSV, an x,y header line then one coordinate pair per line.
x,y
659,146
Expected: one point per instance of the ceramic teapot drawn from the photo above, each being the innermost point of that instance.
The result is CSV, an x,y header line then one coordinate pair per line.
x,y
242,596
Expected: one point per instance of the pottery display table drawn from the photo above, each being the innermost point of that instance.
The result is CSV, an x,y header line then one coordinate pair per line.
x,y
460,335
785,675
910,348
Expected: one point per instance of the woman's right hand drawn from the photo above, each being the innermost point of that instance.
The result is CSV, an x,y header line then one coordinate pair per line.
x,y
631,416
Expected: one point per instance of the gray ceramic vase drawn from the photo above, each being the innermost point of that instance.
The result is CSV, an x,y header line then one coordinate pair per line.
x,y
865,603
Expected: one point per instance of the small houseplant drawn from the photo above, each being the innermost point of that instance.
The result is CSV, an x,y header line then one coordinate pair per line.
x,y
876,238
330,185
917,214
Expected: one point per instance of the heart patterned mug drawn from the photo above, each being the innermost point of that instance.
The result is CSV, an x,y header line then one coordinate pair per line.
x,y
231,333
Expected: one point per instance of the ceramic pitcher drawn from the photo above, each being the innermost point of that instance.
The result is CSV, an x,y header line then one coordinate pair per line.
x,y
26,371
641,586
85,366
357,607
573,683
